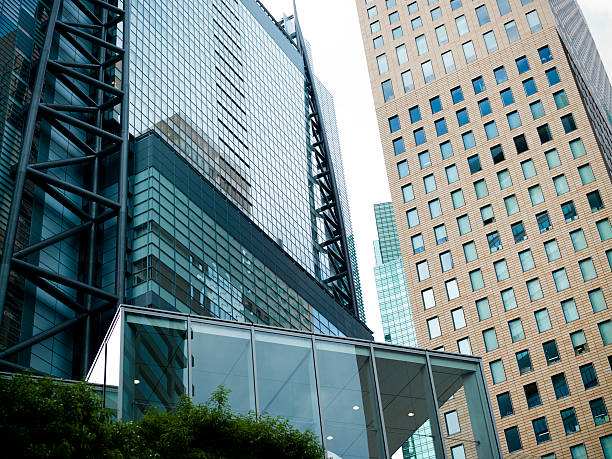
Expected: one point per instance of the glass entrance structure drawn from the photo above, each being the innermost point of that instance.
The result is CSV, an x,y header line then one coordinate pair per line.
x,y
363,399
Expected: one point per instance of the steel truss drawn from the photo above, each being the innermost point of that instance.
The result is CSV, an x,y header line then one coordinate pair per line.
x,y
335,243
94,125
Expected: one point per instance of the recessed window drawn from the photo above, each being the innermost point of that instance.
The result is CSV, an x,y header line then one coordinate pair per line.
x,y
537,110
483,15
464,346
569,211
500,74
407,192
570,312
595,201
463,222
605,331
597,300
424,159
586,174
516,330
513,440
381,62
415,114
469,251
393,17
474,164
560,99
551,353
468,140
491,132
512,31
490,339
397,33
451,174
568,122
530,87
520,143
417,243
398,146
560,385
402,54
578,240
390,3
522,64
532,395
587,269
501,270
402,169
514,120
458,318
518,232
457,94
435,210
440,234
553,76
452,423
412,217
416,23
441,35
455,4
490,41
599,411
498,373
480,188
394,123
487,215
462,25
561,280
589,377
419,136
375,27
485,107
429,300
545,54
494,241
543,320
423,270
387,89
504,179
441,128
452,292
478,84
535,193
605,229
511,204
483,309
507,97
534,21
407,81
504,402
436,13
579,342
428,72
463,117
378,42
540,429
458,452
526,259
430,183
435,104
543,220
413,8
534,289
508,299
372,12
528,169
469,51
552,158
552,250
476,280
433,326
421,44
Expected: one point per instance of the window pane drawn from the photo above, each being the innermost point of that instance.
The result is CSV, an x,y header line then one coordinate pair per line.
x,y
397,32
534,289
417,243
485,107
560,99
490,339
501,270
579,342
534,21
452,291
569,211
429,301
551,353
544,52
586,174
446,149
412,217
463,223
535,193
504,179
484,311
500,73
490,41
441,35
505,404
474,164
481,189
491,131
421,44
553,76
552,158
569,310
407,81
605,330
428,72
419,136
512,31
577,148
513,440
451,174
478,84
511,205
595,201
528,169
532,395
402,54
398,146
387,89
433,326
462,26
458,318
514,120
568,122
469,250
589,377
407,192
497,371
605,229
504,7
518,232
424,159
508,299
587,269
416,23
483,15
430,183
494,241
383,67
526,259
552,250
487,215
434,208
543,221
522,64
561,185
598,302
469,51
540,429
561,280
440,233
441,128
476,280
423,270
452,423
599,412
537,110
516,330
560,385
402,169
543,320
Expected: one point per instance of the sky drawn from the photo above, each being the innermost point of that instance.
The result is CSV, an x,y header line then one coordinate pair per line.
x,y
332,28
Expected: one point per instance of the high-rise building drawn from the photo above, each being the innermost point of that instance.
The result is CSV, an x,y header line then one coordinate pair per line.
x,y
494,118
174,155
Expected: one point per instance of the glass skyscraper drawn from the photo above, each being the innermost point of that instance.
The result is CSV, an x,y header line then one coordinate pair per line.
x,y
181,156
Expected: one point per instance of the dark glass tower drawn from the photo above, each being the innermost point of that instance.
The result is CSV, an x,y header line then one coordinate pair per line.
x,y
197,169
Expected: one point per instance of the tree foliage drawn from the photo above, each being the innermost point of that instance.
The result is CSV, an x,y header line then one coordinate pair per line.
x,y
45,418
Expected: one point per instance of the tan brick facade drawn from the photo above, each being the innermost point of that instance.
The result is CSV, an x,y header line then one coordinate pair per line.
x,y
588,321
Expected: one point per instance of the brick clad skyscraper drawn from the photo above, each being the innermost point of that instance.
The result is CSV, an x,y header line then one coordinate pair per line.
x,y
497,136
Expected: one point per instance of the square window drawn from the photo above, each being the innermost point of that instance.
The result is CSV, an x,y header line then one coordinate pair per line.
x,y
552,250
498,373
417,243
441,35
485,107
561,280
490,340
407,81
412,217
463,222
578,240
522,65
586,174
587,269
535,193
397,33
545,54
560,99
534,21
487,215
589,377
605,229
569,211
474,164
468,140
530,87
494,242
579,342
570,312
415,114
501,270
537,110
429,301
452,423
433,326
407,192
419,136
597,300
551,353
543,320
441,128
553,76
478,84
599,411
560,385
451,174
534,289
457,197
540,429
416,23
430,183
446,149
532,395
398,146
457,94
513,440
387,89
543,220
423,270
520,143
511,204
476,280
568,122
481,189
519,233
595,201
528,169
512,31
490,41
516,330
483,309
469,251
394,123
435,104
514,120
507,97
508,299
504,402
435,210
463,117
504,179
424,159
402,169
552,158
500,73
440,233
491,132
526,259
458,318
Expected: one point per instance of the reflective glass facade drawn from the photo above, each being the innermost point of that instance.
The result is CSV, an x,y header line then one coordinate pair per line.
x,y
363,399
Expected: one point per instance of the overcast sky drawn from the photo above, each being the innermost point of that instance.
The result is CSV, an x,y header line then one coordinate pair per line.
x,y
332,29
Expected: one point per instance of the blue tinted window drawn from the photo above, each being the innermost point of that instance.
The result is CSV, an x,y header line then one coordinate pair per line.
x,y
455,4
402,169
505,404
446,149
468,140
553,76
514,120
507,97
500,75
530,87
491,130
545,54
474,163
478,84
457,94
378,42
424,159
463,117
485,107
441,128
393,17
415,114
513,440
435,104
394,123
387,89
522,65
398,146
419,136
